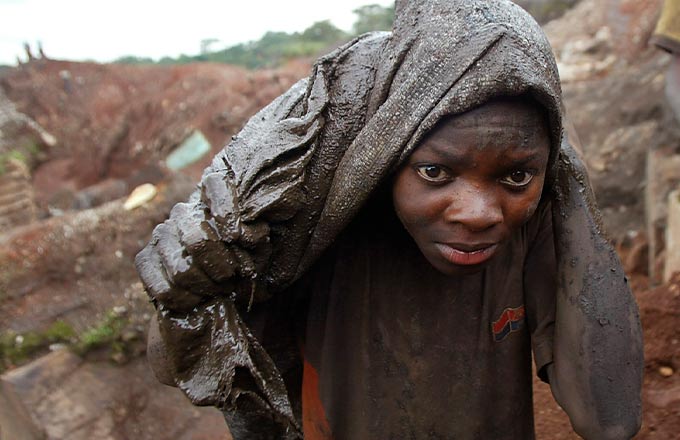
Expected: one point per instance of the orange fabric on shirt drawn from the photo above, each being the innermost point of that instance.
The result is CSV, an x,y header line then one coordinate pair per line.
x,y
314,422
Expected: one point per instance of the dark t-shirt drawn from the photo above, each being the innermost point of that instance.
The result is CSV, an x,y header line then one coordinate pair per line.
x,y
396,350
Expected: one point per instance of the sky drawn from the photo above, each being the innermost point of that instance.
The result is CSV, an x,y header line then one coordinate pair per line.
x,y
102,31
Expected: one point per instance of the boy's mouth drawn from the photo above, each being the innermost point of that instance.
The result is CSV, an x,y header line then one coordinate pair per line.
x,y
467,254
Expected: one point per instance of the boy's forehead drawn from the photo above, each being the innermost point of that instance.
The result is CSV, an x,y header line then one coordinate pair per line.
x,y
503,113
519,121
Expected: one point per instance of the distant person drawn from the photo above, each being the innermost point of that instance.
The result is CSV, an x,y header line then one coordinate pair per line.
x,y
378,253
667,37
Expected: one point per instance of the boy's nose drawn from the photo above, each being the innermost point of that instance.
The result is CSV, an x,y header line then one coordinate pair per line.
x,y
474,208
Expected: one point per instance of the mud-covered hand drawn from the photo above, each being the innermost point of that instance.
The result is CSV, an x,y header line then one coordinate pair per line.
x,y
196,255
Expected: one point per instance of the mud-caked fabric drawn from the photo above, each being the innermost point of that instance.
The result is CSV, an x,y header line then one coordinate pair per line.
x,y
279,194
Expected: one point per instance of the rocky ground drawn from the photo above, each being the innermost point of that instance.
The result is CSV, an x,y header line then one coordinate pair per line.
x,y
89,134
67,279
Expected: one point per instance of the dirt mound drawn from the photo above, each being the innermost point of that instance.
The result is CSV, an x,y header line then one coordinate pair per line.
x,y
118,121
629,23
63,277
613,85
113,127
660,315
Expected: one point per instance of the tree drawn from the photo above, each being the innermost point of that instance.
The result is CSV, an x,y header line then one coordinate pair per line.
x,y
323,32
275,48
129,59
206,43
373,18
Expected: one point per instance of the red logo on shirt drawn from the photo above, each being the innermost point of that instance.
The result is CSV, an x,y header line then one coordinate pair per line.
x,y
510,321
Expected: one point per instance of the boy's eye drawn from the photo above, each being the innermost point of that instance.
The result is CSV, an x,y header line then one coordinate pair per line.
x,y
518,178
432,173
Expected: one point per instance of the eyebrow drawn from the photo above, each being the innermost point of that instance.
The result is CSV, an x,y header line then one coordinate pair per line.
x,y
448,154
524,161
451,156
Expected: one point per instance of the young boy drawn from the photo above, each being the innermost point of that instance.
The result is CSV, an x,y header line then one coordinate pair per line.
x,y
379,251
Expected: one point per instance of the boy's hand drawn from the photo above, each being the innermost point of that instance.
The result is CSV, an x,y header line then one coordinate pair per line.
x,y
185,262
203,250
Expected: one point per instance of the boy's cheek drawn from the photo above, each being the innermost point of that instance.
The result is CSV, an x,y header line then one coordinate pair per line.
x,y
533,201
531,209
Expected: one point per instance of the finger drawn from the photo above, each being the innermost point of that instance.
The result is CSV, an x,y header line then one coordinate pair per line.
x,y
202,242
220,197
178,264
155,282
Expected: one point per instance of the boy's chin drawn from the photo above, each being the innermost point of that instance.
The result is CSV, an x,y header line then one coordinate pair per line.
x,y
451,269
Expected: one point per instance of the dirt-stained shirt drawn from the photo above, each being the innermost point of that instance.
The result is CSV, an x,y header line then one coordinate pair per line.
x,y
395,349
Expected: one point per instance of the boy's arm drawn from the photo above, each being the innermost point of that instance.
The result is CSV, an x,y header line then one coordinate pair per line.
x,y
201,271
244,237
596,374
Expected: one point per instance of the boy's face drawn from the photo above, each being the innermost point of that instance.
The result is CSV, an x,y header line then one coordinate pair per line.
x,y
472,182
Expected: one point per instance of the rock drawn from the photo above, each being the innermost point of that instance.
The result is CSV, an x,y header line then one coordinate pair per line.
x,y
76,400
16,125
546,10
17,202
140,196
15,420
666,371
672,263
664,398
663,174
100,193
637,258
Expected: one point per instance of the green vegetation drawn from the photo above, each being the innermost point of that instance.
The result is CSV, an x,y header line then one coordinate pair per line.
x,y
16,349
275,48
5,158
373,18
26,154
129,59
107,333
